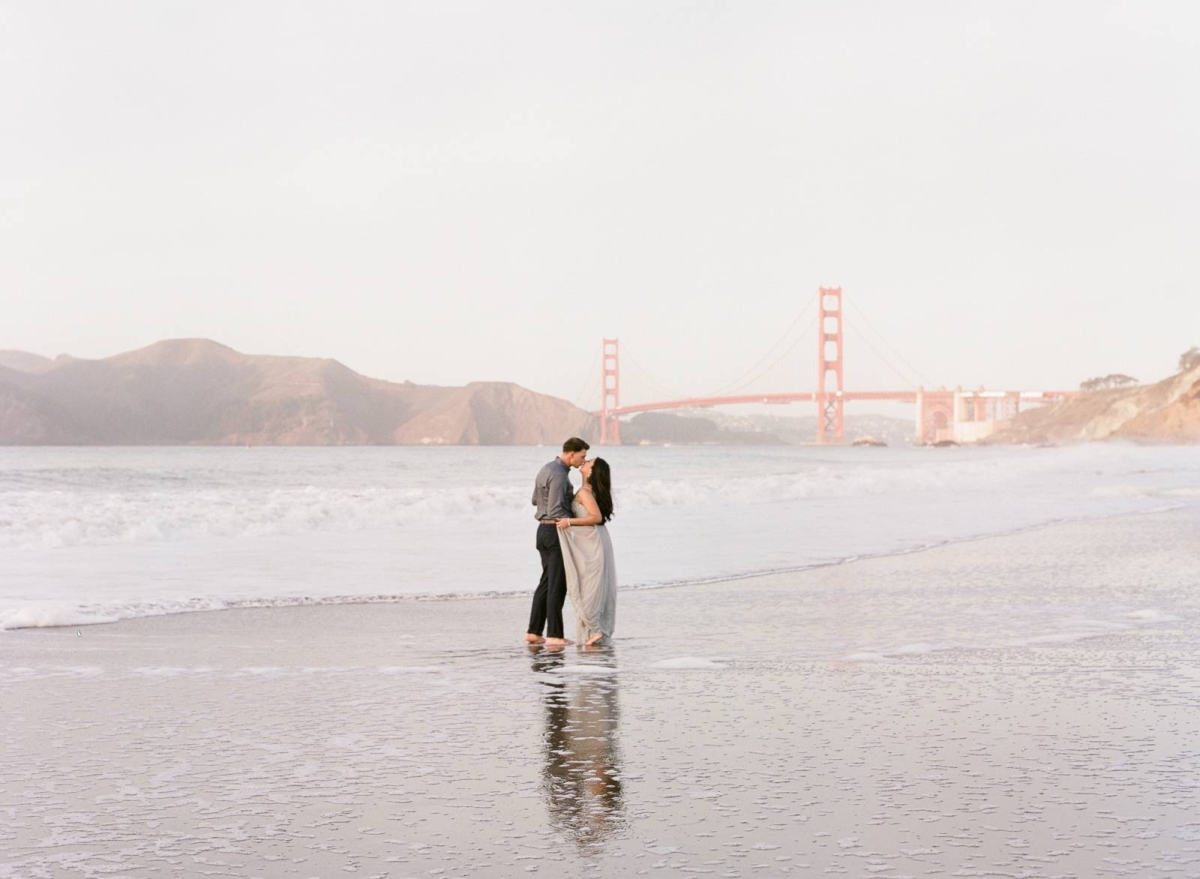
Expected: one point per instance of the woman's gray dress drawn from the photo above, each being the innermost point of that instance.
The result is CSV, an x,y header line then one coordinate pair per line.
x,y
591,576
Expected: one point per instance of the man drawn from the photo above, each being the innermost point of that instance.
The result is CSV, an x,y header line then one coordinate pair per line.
x,y
552,495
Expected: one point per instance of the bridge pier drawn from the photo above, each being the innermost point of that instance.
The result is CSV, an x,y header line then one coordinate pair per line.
x,y
936,416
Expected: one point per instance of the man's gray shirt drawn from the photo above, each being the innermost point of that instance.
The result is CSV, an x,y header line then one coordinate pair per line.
x,y
552,492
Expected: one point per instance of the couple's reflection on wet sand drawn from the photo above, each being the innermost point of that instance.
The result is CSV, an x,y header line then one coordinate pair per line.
x,y
581,778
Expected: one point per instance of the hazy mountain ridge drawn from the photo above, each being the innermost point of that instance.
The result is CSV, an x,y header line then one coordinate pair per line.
x,y
1167,412
198,392
23,361
195,391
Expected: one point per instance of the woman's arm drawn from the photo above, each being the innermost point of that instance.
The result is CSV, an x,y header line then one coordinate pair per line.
x,y
593,516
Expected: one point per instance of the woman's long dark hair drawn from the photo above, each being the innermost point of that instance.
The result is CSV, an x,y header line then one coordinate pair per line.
x,y
600,483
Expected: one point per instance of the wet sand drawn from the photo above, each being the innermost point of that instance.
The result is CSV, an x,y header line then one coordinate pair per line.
x,y
1023,706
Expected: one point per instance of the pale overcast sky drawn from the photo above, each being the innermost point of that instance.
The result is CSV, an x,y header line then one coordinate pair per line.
x,y
449,191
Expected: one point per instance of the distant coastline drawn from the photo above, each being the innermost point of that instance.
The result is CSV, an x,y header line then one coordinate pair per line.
x,y
199,392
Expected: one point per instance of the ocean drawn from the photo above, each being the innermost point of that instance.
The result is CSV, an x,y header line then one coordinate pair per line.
x,y
92,535
982,662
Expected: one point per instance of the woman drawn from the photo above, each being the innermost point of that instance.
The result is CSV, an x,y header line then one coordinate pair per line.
x,y
588,556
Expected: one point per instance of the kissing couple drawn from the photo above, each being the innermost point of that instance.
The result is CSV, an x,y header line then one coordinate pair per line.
x,y
577,554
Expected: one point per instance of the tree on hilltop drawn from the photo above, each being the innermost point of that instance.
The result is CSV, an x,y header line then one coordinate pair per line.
x,y
1101,383
1189,359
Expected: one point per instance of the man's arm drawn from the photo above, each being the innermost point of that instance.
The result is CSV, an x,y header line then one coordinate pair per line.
x,y
560,491
539,494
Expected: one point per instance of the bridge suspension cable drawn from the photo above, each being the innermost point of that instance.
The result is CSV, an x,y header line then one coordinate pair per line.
x,y
642,374
904,377
738,382
923,378
766,369
585,397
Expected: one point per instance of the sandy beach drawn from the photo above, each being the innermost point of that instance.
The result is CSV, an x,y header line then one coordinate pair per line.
x,y
875,718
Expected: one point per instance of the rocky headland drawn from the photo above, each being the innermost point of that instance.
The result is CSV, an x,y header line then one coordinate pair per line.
x,y
198,392
1166,412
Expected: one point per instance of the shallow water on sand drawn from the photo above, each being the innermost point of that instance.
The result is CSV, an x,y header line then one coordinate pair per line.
x,y
842,720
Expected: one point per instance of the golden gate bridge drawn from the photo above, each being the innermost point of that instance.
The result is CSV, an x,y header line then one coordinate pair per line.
x,y
941,414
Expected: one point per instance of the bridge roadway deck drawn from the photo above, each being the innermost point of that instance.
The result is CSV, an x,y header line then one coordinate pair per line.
x,y
848,396
806,397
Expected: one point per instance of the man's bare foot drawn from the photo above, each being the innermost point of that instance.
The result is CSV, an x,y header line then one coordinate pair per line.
x,y
531,638
558,642
594,640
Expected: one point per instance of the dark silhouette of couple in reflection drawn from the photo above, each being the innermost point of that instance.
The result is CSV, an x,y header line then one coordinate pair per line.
x,y
581,778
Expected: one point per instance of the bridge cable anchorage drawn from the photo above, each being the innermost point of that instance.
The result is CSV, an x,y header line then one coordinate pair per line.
x,y
735,383
627,359
924,378
901,375
800,338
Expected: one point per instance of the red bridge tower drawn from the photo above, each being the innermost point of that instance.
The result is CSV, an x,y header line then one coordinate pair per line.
x,y
830,424
610,390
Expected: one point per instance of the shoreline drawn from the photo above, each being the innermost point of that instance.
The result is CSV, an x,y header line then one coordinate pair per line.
x,y
1006,705
789,580
403,598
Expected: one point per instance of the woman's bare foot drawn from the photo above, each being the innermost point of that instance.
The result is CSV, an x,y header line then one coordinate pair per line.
x,y
531,638
558,642
594,640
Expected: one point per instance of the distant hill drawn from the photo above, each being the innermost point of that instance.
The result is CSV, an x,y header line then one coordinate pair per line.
x,y
658,428
23,361
1167,412
195,391
705,426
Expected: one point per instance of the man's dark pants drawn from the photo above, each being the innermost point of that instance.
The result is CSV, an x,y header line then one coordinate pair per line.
x,y
551,592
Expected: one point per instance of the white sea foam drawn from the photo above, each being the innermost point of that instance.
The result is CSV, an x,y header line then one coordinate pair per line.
x,y
70,506
585,670
1188,832
689,662
864,656
49,614
31,520
913,650
1071,631
166,672
1120,491
1153,615
92,535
